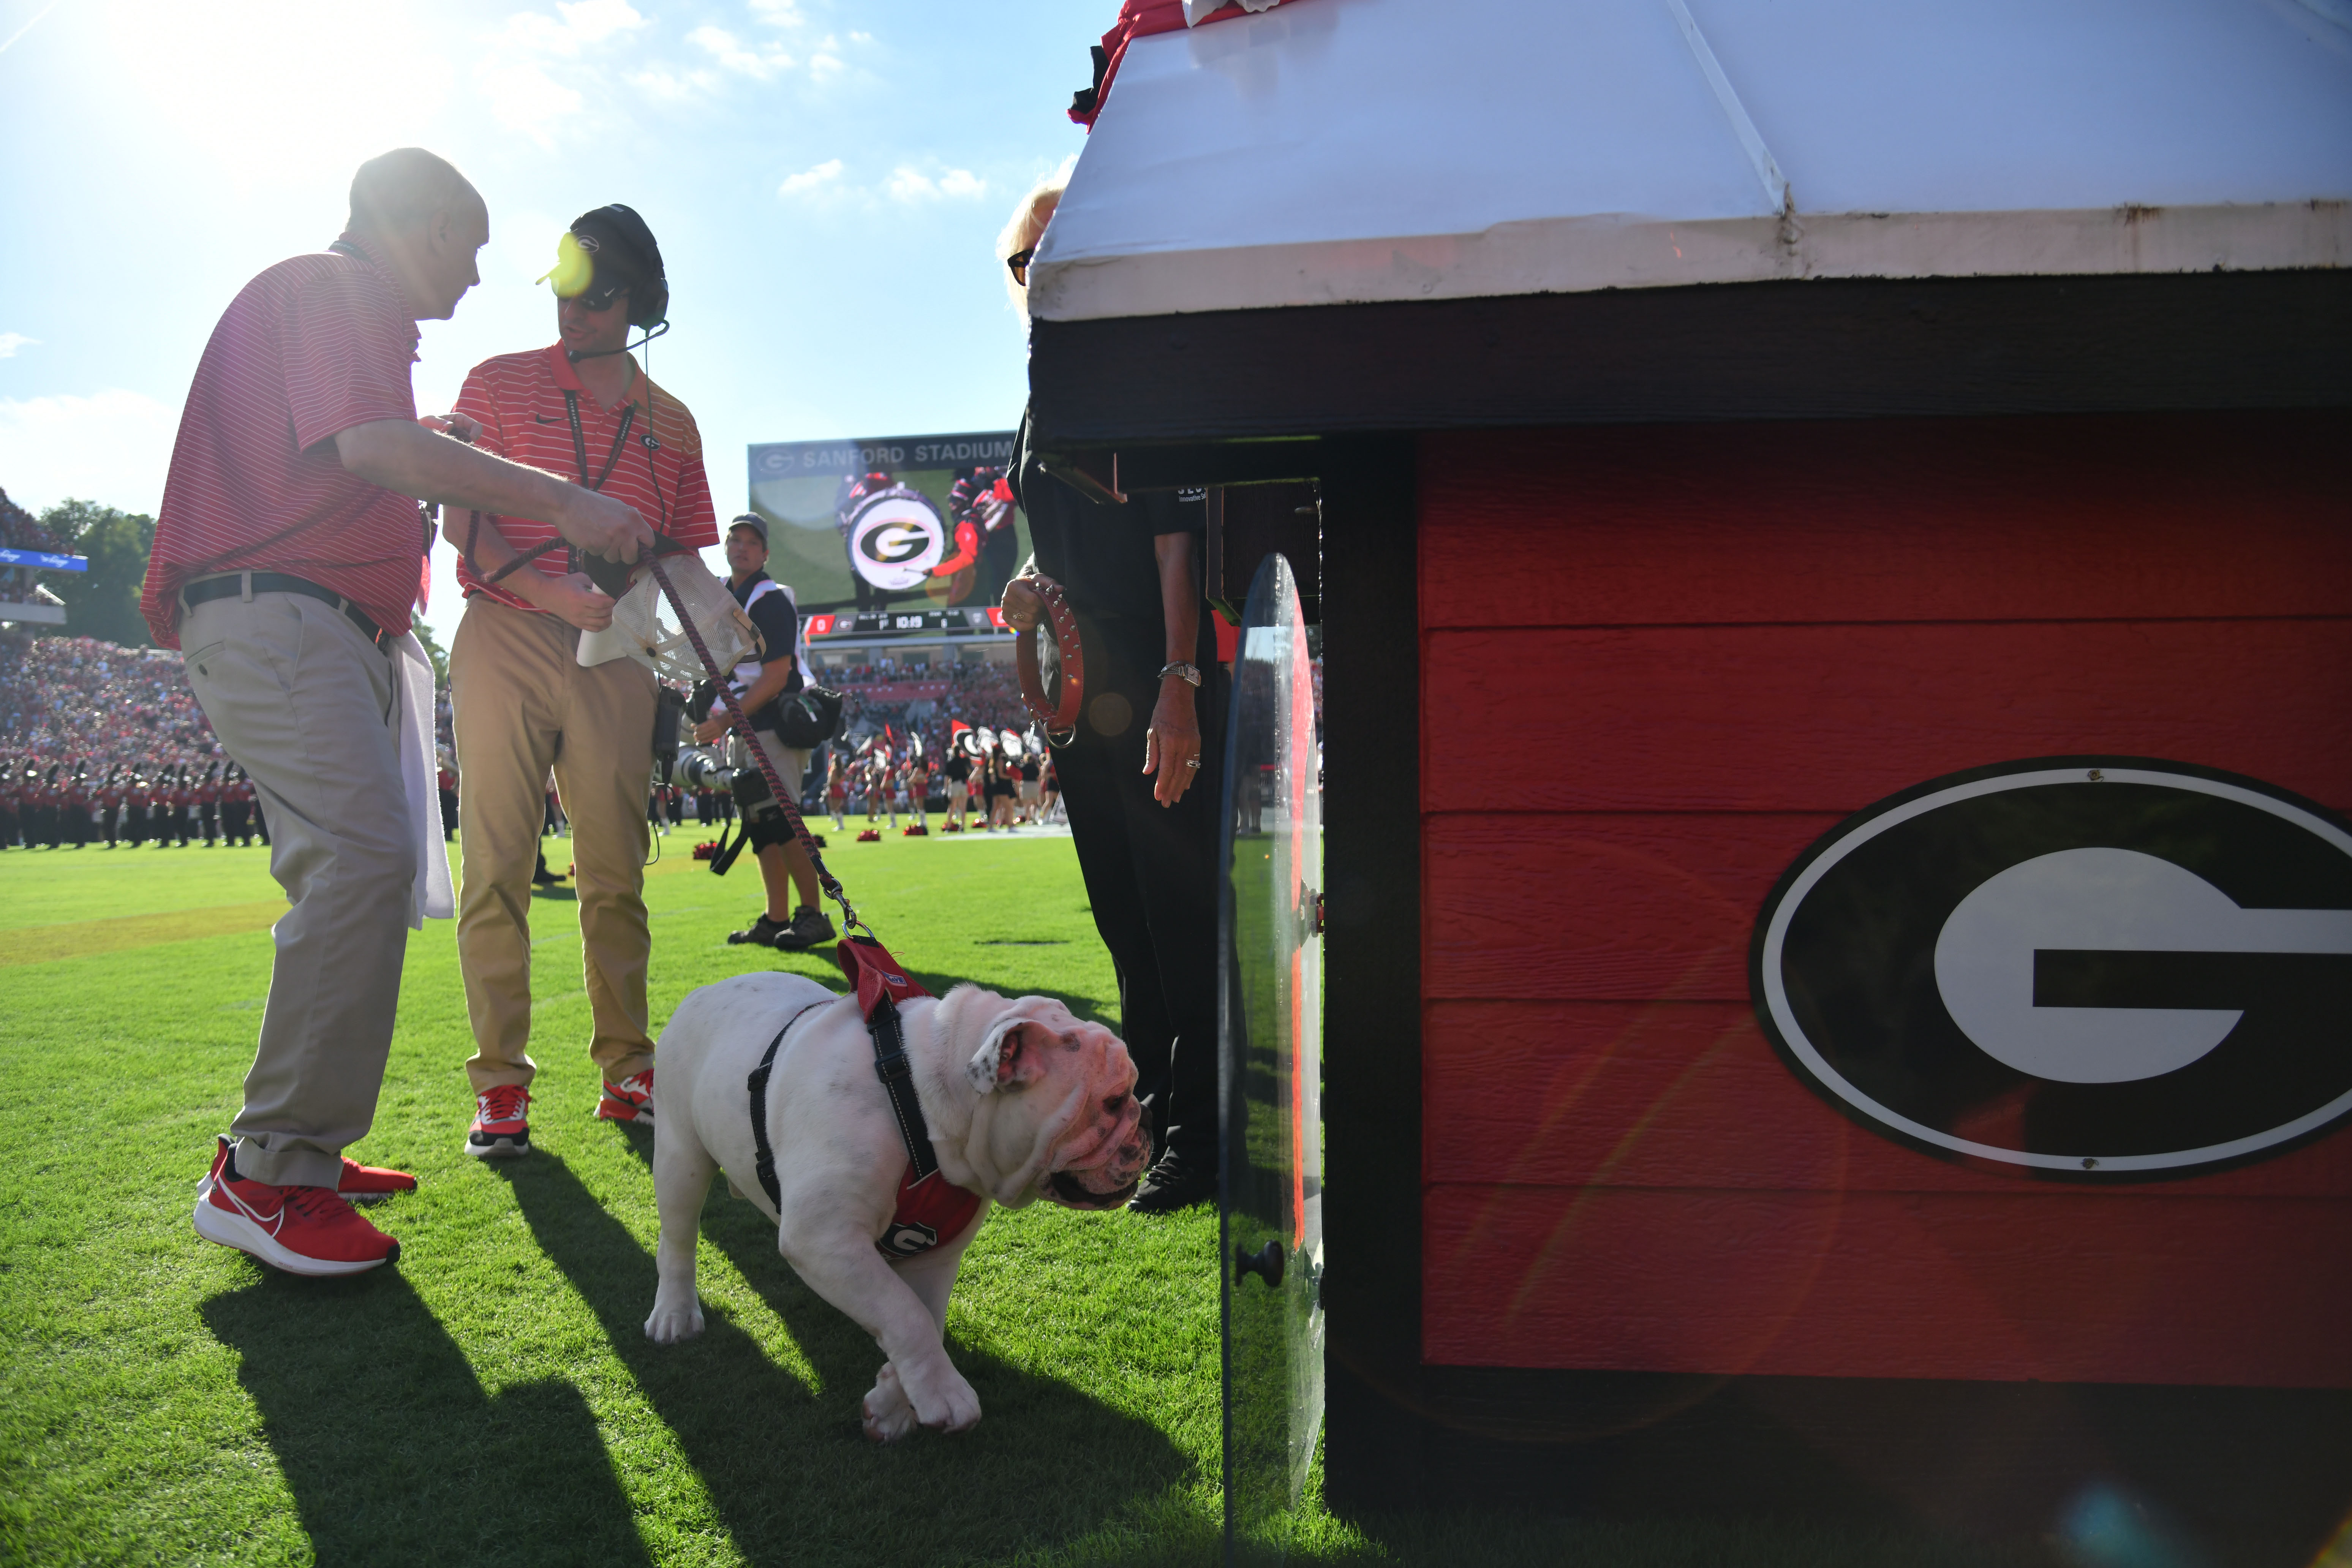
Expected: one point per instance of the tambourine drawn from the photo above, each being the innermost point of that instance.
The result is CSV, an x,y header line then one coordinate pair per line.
x,y
1053,664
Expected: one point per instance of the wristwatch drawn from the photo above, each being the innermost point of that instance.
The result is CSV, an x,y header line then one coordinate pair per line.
x,y
1189,672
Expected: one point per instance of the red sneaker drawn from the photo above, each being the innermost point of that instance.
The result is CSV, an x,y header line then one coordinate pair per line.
x,y
371,1184
358,1183
631,1099
501,1127
302,1230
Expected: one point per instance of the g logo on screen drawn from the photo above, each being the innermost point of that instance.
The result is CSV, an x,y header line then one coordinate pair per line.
x,y
895,539
2104,968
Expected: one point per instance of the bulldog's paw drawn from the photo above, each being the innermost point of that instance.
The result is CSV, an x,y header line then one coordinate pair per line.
x,y
887,1415
943,1401
672,1320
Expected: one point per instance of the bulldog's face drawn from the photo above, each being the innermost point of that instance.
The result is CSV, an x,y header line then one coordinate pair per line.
x,y
1056,1117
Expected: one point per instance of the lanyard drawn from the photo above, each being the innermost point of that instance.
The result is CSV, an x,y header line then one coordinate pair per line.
x,y
580,455
580,442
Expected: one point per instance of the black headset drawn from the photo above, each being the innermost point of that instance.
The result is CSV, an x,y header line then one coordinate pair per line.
x,y
627,258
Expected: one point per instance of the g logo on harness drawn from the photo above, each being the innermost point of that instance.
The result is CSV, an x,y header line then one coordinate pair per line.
x,y
905,1240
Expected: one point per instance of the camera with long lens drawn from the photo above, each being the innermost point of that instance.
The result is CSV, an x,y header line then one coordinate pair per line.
x,y
697,768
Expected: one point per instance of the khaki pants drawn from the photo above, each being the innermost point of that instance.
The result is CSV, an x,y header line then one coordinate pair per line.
x,y
522,706
306,705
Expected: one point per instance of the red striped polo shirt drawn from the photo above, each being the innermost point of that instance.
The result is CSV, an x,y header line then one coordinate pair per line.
x,y
312,347
518,399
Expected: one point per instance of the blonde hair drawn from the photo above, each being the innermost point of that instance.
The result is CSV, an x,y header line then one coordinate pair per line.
x,y
1027,225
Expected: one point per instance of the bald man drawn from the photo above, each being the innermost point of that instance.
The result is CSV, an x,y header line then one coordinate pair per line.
x,y
289,550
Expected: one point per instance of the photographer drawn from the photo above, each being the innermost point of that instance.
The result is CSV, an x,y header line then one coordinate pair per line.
x,y
784,669
522,702
287,551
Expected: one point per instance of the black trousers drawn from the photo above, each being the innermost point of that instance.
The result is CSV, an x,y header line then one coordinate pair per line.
x,y
1150,873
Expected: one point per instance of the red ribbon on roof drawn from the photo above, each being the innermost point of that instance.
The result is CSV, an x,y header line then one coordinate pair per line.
x,y
1136,19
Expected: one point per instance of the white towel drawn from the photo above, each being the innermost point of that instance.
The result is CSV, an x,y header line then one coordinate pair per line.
x,y
637,632
432,896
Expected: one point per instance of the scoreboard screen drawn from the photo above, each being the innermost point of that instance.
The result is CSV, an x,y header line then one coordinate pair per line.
x,y
989,621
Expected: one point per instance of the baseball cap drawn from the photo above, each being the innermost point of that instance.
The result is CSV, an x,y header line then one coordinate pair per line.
x,y
755,522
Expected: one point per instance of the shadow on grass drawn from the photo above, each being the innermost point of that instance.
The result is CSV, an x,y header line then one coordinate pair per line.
x,y
395,1452
785,1464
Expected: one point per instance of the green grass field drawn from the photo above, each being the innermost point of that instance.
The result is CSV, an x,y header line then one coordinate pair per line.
x,y
492,1399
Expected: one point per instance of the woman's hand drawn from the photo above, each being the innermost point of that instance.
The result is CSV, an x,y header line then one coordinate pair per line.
x,y
1172,747
1022,605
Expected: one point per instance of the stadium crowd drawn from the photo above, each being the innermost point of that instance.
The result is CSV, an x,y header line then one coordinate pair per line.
x,y
105,745
101,743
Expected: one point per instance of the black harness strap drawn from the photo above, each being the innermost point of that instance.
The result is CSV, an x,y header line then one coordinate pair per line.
x,y
898,1076
764,1163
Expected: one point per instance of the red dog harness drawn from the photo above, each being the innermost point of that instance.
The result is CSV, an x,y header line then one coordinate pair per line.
x,y
932,1209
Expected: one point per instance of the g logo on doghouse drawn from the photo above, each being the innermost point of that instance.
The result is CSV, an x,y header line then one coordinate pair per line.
x,y
2096,967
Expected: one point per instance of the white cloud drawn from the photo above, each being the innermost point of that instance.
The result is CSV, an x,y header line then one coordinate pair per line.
x,y
667,86
754,62
908,184
825,176
525,99
11,342
778,13
824,65
114,448
585,22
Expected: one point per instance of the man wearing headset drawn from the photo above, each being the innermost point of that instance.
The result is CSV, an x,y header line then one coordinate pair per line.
x,y
524,704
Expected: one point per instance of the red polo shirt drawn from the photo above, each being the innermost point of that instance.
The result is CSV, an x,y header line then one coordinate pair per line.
x,y
519,401
312,347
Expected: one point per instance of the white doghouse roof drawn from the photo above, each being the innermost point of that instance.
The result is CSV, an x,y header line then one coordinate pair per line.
x,y
1335,150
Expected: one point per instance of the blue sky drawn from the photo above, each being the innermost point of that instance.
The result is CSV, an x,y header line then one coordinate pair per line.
x,y
826,179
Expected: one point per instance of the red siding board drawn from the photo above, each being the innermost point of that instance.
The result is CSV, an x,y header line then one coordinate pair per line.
x,y
1888,520
1689,1094
2075,1286
1833,717
1601,905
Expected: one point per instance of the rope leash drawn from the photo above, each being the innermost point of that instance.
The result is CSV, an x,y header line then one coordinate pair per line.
x,y
741,726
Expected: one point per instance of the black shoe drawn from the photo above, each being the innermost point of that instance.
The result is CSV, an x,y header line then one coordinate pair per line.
x,y
1178,1182
810,926
762,933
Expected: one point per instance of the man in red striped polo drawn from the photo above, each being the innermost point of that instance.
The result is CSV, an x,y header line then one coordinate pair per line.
x,y
523,704
289,549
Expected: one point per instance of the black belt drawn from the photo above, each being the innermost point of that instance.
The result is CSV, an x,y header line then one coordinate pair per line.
x,y
233,585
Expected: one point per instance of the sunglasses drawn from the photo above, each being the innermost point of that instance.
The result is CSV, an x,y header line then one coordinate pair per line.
x,y
1019,262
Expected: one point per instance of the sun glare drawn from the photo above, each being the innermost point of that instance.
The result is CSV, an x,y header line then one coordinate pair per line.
x,y
276,92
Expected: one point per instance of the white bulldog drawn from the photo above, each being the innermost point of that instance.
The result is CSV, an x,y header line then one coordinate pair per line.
x,y
1023,1100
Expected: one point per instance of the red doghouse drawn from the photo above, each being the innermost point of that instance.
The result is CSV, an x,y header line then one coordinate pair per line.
x,y
1803,509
